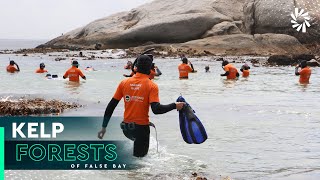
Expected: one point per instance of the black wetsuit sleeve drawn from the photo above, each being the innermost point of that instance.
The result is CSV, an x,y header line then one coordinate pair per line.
x,y
237,74
225,74
18,69
127,75
192,67
297,71
158,108
109,111
241,70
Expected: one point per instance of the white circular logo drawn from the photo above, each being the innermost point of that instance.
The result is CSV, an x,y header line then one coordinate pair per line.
x,y
300,20
127,98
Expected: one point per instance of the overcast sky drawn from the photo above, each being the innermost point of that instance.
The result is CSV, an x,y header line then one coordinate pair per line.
x,y
47,19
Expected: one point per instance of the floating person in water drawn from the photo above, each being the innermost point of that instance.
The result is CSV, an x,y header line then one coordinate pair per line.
x,y
13,67
74,72
185,69
207,68
138,92
53,76
81,54
230,71
245,70
89,68
128,65
41,68
304,73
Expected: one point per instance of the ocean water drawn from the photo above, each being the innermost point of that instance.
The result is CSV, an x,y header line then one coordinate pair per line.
x,y
262,127
15,44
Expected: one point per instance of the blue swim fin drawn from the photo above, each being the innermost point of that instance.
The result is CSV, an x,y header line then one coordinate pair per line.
x,y
191,127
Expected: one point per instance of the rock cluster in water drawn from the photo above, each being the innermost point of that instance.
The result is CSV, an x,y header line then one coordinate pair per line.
x,y
285,60
38,106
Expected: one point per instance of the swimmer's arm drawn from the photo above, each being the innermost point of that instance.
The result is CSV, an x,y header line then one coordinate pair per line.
x,y
109,111
297,71
158,108
225,74
237,74
65,75
18,69
241,70
82,75
191,66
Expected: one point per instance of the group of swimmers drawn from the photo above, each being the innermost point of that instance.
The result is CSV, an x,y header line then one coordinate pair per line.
x,y
231,72
139,92
72,73
184,68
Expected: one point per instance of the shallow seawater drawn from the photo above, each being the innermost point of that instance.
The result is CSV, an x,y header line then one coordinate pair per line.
x,y
262,127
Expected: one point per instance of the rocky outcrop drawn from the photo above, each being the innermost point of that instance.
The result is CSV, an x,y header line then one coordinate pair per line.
x,y
274,16
186,22
285,60
313,63
224,28
161,21
243,44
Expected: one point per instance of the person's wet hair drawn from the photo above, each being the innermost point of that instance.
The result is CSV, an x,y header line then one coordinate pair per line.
x,y
207,68
75,63
144,64
303,64
42,65
225,62
185,60
11,62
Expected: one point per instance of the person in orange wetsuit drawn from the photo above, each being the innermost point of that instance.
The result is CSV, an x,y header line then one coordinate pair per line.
x,y
185,69
41,69
13,67
245,70
231,71
139,93
74,72
304,73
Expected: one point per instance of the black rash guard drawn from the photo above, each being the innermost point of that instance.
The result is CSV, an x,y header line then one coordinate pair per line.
x,y
297,71
156,107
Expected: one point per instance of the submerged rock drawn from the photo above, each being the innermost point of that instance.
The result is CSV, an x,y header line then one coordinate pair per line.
x,y
38,106
285,60
313,63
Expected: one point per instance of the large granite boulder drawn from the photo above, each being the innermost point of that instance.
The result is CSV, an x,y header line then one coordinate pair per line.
x,y
274,16
244,44
161,21
189,22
